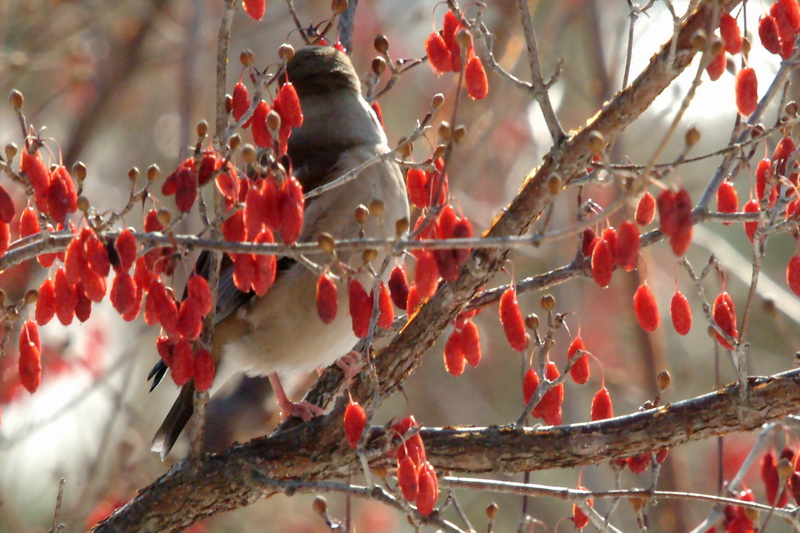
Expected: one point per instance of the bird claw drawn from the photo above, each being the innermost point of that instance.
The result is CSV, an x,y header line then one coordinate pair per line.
x,y
303,410
350,363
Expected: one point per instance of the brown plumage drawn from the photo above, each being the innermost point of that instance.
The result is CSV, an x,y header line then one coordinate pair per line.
x,y
281,332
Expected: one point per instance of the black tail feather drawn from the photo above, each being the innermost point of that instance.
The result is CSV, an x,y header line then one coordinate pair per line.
x,y
176,420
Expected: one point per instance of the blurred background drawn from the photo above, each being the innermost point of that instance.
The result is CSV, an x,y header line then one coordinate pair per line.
x,y
123,84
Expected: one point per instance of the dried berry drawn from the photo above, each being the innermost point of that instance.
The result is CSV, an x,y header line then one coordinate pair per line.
x,y
768,34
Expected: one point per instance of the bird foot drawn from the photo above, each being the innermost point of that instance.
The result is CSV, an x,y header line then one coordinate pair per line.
x,y
350,363
303,410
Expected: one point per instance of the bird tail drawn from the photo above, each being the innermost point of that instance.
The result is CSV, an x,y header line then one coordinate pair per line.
x,y
176,420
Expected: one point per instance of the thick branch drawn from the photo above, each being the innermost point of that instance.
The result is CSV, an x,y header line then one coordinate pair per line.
x,y
196,488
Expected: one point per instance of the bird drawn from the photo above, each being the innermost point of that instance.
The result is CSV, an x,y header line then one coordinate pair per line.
x,y
280,333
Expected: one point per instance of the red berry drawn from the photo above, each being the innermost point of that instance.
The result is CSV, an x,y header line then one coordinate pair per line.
x,y
126,249
419,187
199,293
66,297
39,176
471,343
6,206
241,101
768,34
725,317
589,241
398,286
438,53
511,318
785,30
182,363
453,356
682,236
204,370
28,223
646,308
287,105
580,370
407,479
793,274
414,299
681,313
769,476
255,8
265,266
428,492
727,199
529,384
666,212
291,209
601,405
763,175
603,263
30,359
475,79
386,316
549,408
258,125
626,252
645,209
639,463
746,91
123,291
580,519
731,35
360,308
426,276
190,321
46,303
717,66
782,153
327,299
751,227
355,419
